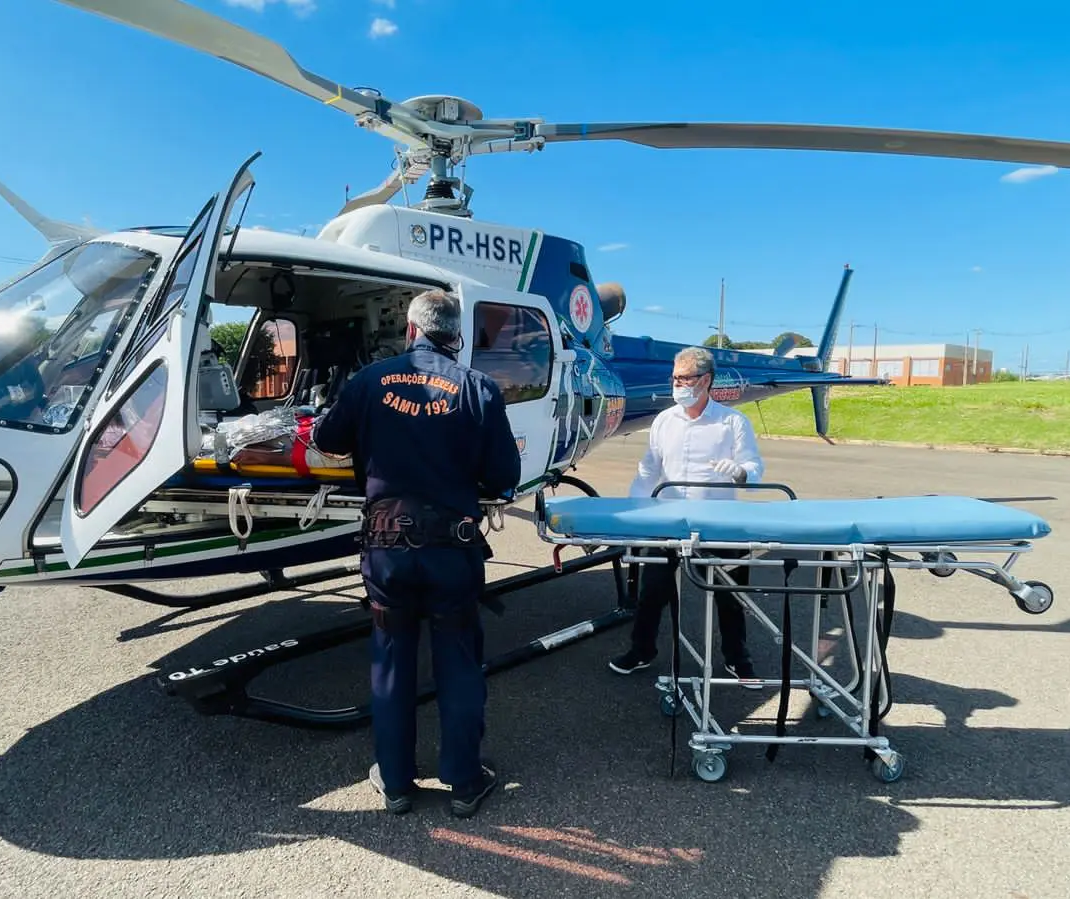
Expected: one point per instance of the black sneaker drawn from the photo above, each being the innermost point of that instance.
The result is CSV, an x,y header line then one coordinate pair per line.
x,y
399,803
466,803
744,672
630,661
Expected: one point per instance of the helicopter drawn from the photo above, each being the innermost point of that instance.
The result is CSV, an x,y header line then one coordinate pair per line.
x,y
116,409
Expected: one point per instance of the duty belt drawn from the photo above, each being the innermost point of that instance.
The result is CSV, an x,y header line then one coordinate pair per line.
x,y
402,522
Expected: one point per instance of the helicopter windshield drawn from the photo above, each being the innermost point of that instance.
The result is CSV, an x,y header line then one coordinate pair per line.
x,y
57,326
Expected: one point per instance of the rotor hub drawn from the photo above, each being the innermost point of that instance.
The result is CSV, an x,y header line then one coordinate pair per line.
x,y
444,108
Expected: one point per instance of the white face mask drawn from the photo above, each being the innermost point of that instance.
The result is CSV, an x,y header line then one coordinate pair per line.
x,y
685,396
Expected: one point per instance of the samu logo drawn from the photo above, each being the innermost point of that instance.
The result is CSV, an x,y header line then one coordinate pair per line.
x,y
418,234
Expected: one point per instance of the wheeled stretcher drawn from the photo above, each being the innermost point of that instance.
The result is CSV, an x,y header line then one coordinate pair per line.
x,y
846,545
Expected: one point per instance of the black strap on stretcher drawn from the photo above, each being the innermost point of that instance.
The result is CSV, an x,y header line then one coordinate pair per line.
x,y
884,629
785,660
674,613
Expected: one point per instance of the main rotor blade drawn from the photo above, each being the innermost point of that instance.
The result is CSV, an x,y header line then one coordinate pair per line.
x,y
715,135
185,24
377,195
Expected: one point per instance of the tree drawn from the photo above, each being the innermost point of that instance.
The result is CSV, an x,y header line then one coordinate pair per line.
x,y
264,360
712,341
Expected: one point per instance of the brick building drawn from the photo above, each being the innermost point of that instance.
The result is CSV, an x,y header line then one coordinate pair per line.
x,y
933,364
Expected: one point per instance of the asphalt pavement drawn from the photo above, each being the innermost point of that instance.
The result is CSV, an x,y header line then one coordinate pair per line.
x,y
109,787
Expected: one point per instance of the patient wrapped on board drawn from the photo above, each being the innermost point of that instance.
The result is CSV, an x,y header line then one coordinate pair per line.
x,y
280,438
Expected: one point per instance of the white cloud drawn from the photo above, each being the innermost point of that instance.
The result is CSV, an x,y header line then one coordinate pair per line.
x,y
977,268
382,28
612,247
1029,173
301,7
653,309
389,4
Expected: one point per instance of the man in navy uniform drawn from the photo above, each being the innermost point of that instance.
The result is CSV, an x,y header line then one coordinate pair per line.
x,y
429,438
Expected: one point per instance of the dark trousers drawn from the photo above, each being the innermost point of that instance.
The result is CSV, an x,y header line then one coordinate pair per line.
x,y
657,585
443,585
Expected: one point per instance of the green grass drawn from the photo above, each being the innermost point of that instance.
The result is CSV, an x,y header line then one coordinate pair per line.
x,y
1023,415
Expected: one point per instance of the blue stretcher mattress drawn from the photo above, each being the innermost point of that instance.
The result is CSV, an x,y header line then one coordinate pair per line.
x,y
892,520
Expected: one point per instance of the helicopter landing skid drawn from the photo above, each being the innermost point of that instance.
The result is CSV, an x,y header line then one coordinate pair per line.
x,y
274,579
220,688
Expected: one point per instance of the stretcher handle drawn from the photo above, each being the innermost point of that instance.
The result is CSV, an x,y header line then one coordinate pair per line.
x,y
847,589
784,488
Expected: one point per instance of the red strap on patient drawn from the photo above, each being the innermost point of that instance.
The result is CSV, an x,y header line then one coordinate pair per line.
x,y
302,439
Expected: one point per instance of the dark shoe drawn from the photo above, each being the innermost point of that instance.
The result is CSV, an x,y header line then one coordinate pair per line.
x,y
398,803
631,661
466,803
745,674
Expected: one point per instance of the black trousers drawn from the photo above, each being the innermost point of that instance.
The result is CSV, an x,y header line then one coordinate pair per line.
x,y
657,585
443,585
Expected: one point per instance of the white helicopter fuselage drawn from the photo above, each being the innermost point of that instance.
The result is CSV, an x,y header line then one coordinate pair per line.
x,y
75,507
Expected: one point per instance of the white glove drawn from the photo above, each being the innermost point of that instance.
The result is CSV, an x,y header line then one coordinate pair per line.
x,y
732,470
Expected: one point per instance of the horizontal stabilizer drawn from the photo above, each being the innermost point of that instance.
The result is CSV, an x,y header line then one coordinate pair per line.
x,y
819,379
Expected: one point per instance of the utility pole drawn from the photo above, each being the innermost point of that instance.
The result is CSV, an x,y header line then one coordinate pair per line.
x,y
850,347
1025,372
966,360
720,324
976,344
874,349
1068,363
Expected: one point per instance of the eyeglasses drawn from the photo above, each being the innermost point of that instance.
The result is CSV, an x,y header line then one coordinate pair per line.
x,y
685,379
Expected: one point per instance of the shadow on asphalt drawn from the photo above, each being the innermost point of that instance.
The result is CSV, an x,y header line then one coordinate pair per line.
x,y
586,802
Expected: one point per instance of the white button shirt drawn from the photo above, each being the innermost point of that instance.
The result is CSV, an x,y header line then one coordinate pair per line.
x,y
685,449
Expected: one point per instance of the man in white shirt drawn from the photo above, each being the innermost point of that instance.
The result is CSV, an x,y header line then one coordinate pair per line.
x,y
696,439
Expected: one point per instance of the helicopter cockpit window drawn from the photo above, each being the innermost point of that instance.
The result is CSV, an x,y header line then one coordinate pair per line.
x,y
153,324
512,345
57,326
271,361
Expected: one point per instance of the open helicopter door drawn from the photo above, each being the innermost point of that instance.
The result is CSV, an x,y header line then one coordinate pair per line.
x,y
145,429
515,338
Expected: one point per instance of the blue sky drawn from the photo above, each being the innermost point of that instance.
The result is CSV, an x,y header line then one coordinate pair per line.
x,y
109,123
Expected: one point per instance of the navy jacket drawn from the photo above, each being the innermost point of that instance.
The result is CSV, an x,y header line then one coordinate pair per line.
x,y
425,426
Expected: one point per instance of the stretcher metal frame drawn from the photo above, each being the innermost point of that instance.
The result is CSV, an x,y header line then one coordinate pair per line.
x,y
841,569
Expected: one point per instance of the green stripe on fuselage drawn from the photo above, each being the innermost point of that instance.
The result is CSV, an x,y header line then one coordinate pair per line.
x,y
527,261
162,552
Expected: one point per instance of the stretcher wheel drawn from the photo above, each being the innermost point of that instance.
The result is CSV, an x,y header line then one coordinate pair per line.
x,y
1042,598
709,766
940,571
888,772
671,706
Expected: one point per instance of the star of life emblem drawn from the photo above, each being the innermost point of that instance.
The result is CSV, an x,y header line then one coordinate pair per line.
x,y
580,308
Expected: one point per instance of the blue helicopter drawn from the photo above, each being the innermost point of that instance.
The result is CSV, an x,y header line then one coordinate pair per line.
x,y
132,448
99,484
